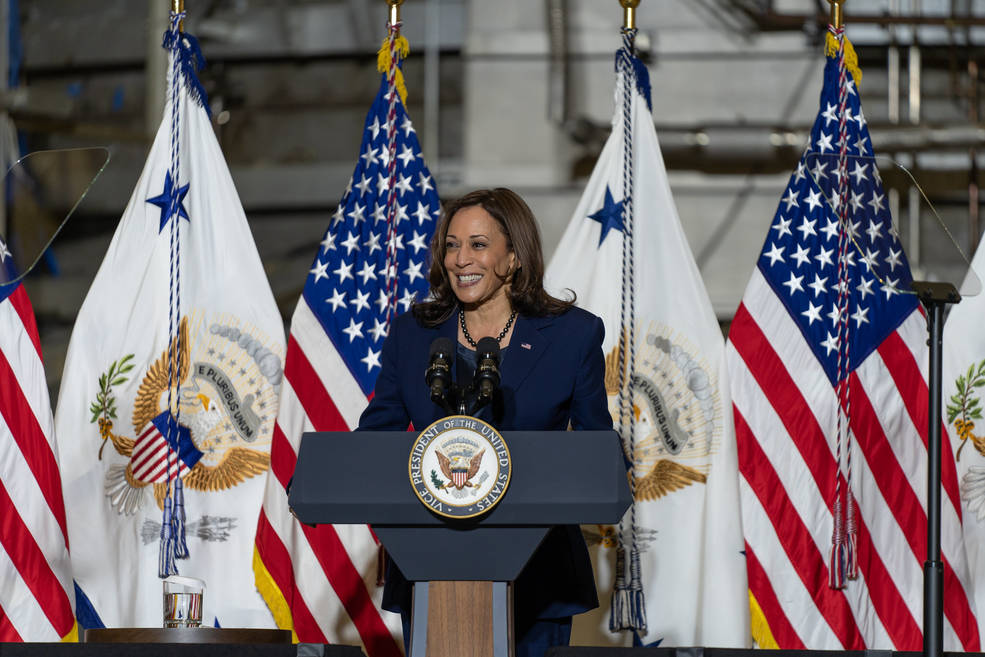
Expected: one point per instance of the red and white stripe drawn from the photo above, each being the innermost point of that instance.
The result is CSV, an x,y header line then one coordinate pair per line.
x,y
327,575
36,590
151,457
785,416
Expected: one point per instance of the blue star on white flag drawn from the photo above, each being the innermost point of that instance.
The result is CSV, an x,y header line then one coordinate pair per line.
x,y
609,215
163,200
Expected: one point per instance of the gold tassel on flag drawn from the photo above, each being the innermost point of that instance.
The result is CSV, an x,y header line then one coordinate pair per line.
x,y
402,48
383,62
832,47
851,59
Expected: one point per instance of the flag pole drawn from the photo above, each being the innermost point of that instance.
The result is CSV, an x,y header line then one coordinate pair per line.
x,y
629,13
178,6
837,15
394,11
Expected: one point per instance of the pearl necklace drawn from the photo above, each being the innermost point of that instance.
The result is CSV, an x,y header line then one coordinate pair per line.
x,y
499,338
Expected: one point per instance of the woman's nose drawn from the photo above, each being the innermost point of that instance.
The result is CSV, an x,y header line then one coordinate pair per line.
x,y
462,257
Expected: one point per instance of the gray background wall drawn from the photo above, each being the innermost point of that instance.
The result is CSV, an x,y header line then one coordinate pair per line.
x,y
505,92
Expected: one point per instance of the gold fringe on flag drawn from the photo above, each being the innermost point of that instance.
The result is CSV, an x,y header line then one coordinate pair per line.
x,y
761,632
851,59
273,596
73,635
383,63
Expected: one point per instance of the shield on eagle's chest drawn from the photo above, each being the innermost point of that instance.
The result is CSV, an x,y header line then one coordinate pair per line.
x,y
152,462
150,457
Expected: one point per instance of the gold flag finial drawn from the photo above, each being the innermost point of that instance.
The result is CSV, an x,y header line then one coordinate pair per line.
x,y
629,13
178,6
394,10
837,16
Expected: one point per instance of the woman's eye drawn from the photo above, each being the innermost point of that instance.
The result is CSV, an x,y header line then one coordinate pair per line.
x,y
478,245
451,245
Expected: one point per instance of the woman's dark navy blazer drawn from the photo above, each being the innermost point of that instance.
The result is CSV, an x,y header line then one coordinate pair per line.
x,y
552,373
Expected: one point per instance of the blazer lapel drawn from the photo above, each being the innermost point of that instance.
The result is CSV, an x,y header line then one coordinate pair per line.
x,y
527,345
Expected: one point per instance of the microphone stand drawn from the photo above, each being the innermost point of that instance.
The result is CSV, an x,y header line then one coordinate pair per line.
x,y
456,400
463,395
450,395
935,296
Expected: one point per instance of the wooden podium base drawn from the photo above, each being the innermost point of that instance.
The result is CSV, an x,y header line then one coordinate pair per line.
x,y
462,619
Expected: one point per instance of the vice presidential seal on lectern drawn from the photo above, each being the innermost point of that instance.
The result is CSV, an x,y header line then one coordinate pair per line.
x,y
460,467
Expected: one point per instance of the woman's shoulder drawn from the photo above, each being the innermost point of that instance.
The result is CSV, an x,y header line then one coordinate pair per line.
x,y
573,325
407,323
575,315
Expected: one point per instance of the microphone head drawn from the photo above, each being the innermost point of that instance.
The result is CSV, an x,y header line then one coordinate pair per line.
x,y
488,348
443,347
438,374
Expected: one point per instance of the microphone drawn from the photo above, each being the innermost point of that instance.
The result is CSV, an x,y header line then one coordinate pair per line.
x,y
486,368
438,374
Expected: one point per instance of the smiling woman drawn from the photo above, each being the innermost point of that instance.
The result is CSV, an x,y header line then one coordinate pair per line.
x,y
487,263
486,279
479,259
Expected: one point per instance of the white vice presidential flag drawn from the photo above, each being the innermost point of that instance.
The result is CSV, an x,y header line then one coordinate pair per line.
x,y
112,408
963,386
687,515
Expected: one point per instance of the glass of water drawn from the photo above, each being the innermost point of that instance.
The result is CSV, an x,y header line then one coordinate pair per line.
x,y
183,601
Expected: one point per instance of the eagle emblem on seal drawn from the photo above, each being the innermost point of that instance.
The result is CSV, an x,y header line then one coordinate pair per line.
x,y
676,413
163,446
460,468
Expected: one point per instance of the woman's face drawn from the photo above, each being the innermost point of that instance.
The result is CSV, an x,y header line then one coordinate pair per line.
x,y
477,256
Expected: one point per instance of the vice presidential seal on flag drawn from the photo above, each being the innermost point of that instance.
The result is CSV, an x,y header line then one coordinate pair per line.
x,y
626,257
963,385
171,385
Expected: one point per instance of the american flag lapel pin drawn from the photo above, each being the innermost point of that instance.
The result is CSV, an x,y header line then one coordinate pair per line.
x,y
525,345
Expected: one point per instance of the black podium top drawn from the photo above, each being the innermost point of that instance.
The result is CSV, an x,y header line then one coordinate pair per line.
x,y
559,477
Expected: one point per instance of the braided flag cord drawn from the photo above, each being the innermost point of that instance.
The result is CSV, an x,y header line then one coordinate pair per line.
x,y
172,537
826,355
843,561
628,603
393,31
186,60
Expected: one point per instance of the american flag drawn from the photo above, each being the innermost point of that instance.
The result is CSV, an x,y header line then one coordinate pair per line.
x,y
35,573
323,581
783,356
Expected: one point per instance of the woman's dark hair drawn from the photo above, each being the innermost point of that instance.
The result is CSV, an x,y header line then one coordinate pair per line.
x,y
527,294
